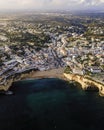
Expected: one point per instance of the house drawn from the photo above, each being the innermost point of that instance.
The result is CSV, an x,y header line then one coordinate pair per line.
x,y
95,69
102,60
11,62
78,71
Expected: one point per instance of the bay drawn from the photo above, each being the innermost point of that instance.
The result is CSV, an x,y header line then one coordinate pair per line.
x,y
48,104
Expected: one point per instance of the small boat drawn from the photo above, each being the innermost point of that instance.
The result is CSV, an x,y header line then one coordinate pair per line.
x,y
8,93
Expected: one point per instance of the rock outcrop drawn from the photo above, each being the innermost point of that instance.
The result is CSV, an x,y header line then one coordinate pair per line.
x,y
86,82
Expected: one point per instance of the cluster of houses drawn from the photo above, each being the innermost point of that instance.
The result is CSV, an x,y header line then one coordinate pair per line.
x,y
81,56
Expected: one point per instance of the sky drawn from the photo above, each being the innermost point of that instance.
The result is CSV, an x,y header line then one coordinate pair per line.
x,y
51,4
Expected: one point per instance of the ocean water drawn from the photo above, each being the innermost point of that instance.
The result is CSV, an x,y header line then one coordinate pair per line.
x,y
50,104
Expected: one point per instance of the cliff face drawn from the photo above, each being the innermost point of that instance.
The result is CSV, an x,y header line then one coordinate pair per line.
x,y
14,78
86,82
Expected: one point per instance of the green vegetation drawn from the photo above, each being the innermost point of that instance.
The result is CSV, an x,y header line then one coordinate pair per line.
x,y
67,70
37,39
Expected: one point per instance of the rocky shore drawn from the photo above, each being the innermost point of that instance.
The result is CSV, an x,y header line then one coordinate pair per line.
x,y
86,82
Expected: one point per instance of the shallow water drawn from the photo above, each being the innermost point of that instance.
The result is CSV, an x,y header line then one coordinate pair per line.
x,y
49,104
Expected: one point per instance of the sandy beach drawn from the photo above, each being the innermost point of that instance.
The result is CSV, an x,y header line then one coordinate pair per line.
x,y
54,73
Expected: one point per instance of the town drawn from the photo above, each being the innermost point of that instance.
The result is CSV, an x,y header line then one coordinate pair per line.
x,y
29,43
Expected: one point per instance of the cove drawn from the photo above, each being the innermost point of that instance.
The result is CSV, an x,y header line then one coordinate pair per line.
x,y
48,104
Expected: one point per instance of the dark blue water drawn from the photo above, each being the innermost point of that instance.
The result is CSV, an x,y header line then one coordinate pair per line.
x,y
49,104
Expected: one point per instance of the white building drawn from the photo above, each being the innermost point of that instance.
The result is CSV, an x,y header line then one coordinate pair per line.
x,y
95,69
78,71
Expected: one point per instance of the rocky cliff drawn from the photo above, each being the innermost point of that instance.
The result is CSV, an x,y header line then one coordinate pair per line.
x,y
86,82
17,77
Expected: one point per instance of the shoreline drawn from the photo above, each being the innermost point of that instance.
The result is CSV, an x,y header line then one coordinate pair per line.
x,y
86,82
32,74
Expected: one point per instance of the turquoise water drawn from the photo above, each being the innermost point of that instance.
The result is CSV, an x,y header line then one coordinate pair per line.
x,y
49,104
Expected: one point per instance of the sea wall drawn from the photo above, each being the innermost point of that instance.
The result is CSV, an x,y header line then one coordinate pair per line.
x,y
86,82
